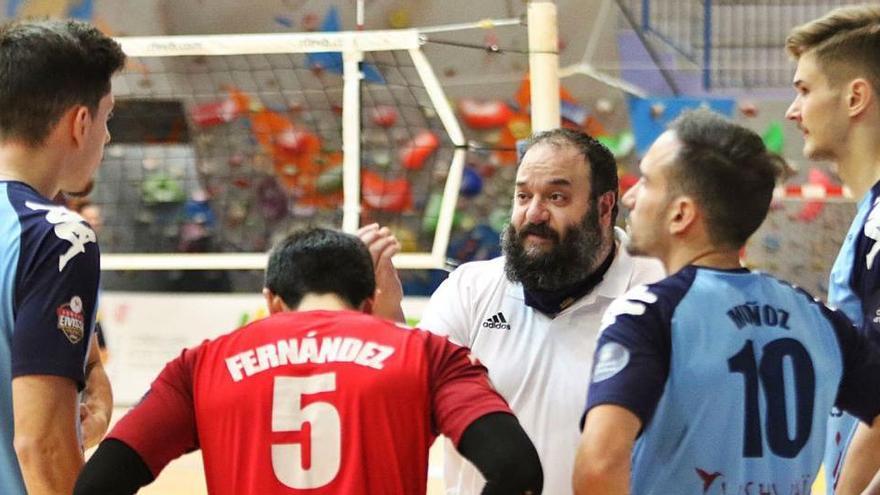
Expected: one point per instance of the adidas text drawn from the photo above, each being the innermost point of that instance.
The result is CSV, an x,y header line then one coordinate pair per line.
x,y
497,321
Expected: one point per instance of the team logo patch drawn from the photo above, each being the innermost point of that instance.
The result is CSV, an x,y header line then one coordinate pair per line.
x,y
71,320
610,360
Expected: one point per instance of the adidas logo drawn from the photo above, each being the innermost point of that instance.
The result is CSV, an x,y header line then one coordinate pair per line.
x,y
498,321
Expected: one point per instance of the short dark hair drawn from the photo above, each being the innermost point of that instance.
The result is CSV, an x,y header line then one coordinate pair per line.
x,y
320,261
603,167
727,169
48,67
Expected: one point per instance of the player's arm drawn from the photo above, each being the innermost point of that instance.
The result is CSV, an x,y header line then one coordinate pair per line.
x,y
501,450
114,469
55,293
97,401
158,430
45,415
630,367
389,291
602,464
862,462
859,395
468,410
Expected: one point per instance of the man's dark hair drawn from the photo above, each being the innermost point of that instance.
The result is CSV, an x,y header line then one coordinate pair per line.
x,y
48,67
320,261
603,167
727,169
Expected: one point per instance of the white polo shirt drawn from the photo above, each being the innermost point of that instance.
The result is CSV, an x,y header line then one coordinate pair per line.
x,y
541,365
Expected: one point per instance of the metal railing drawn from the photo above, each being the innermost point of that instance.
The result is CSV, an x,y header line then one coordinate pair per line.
x,y
734,43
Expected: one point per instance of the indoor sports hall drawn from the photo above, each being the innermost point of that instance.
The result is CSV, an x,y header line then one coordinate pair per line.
x,y
235,122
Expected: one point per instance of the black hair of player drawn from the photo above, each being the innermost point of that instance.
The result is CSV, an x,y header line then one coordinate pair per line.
x,y
46,68
727,169
603,166
320,261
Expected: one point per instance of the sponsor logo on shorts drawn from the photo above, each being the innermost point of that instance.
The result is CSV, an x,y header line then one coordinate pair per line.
x,y
497,321
71,320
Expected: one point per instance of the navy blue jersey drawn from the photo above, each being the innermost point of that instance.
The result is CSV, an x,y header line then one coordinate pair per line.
x,y
855,289
733,374
51,265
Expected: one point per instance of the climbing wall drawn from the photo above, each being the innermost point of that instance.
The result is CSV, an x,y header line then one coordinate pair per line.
x,y
799,241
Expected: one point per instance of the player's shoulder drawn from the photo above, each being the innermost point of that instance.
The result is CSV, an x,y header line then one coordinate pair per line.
x,y
670,289
865,242
656,300
807,300
322,322
30,206
46,229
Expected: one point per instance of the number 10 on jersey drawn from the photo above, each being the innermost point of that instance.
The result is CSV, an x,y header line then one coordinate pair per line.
x,y
769,375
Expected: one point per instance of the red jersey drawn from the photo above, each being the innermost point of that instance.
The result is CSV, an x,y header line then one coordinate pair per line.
x,y
315,402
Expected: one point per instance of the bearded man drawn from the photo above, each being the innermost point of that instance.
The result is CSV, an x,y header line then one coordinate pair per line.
x,y
531,316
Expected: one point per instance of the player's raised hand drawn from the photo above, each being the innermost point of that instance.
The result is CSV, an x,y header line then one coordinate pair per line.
x,y
383,245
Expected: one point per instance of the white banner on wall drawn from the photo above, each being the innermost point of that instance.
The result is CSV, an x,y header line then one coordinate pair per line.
x,y
146,330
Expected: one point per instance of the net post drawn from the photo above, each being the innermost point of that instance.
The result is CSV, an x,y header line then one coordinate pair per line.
x,y
544,65
351,141
447,209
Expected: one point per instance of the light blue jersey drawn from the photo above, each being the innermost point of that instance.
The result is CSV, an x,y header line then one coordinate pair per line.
x,y
855,290
50,268
733,374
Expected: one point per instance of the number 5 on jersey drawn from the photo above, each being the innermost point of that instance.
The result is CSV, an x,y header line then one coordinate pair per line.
x,y
289,415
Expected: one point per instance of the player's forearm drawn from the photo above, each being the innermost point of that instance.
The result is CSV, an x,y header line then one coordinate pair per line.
x,y
49,453
98,401
862,462
50,464
597,475
603,464
501,450
114,469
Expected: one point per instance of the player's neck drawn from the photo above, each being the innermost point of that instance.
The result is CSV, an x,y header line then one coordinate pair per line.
x,y
327,302
36,167
859,163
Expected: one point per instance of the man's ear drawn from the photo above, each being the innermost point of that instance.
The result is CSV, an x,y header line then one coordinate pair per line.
x,y
860,95
606,203
682,215
367,305
81,122
274,303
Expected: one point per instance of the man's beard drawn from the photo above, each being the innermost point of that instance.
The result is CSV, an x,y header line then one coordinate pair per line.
x,y
566,263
